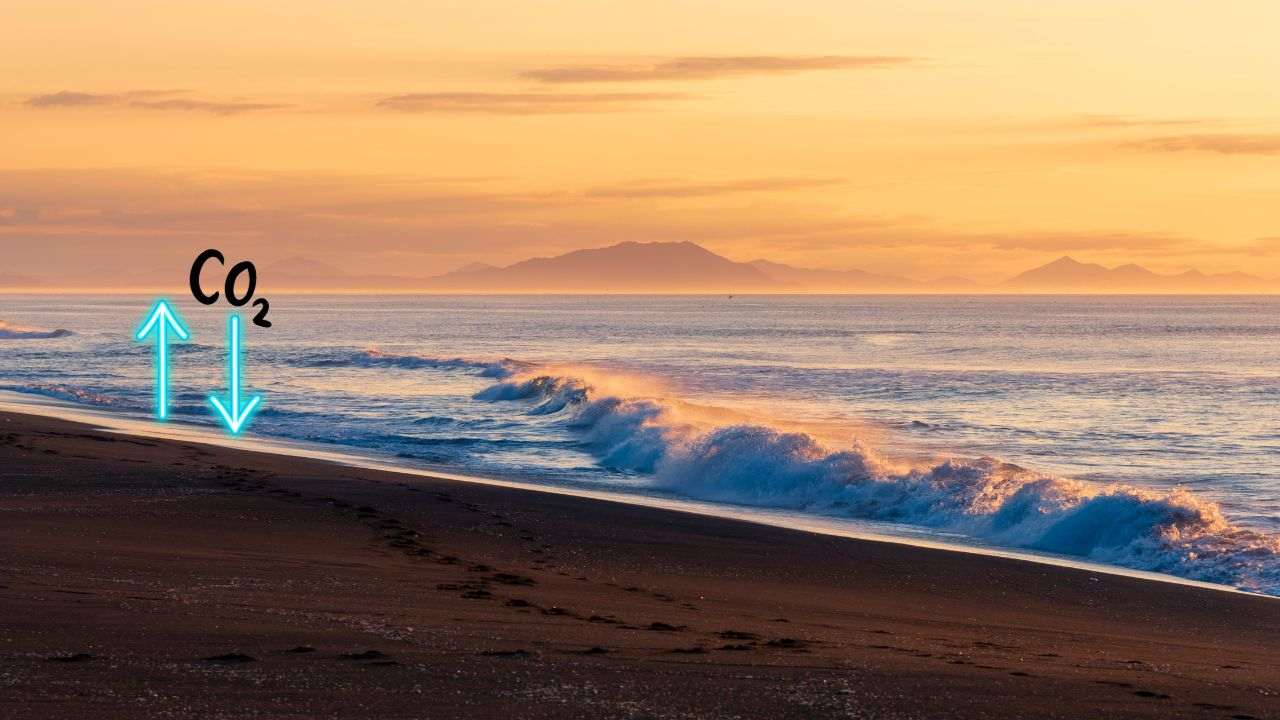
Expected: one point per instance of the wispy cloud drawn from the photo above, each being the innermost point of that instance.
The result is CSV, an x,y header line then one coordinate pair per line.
x,y
707,67
1221,143
209,106
521,103
1081,241
1132,121
71,99
691,190
114,218
171,100
1267,246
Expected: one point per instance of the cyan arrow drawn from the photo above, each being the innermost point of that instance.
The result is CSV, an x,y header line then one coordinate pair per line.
x,y
238,417
162,319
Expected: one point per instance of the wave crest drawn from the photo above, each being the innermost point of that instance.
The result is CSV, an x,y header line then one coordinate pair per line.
x,y
10,331
60,391
1174,532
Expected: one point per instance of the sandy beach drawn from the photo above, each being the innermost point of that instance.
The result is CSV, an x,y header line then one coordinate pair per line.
x,y
144,578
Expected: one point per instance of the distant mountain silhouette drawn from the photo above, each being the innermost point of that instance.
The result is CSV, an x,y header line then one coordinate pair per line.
x,y
635,267
625,267
833,280
475,267
1071,276
856,281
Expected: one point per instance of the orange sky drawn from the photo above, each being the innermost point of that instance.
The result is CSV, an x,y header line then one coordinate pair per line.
x,y
913,137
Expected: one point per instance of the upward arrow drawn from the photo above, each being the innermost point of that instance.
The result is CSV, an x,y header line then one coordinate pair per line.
x,y
161,320
236,418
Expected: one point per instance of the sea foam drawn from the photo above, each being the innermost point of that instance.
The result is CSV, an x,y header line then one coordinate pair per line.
x,y
10,331
688,451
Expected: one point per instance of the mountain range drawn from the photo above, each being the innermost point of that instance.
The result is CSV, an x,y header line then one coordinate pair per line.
x,y
634,267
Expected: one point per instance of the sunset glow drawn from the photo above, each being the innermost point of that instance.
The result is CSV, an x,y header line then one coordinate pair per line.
x,y
917,138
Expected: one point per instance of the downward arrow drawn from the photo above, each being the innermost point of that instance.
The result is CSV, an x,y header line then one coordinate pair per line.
x,y
162,319
237,418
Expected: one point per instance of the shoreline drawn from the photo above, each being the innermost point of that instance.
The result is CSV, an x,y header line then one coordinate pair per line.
x,y
13,401
145,577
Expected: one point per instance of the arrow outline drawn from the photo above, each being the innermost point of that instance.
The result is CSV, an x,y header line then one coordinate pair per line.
x,y
162,316
237,419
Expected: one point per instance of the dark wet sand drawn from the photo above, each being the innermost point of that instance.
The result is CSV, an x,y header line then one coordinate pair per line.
x,y
143,578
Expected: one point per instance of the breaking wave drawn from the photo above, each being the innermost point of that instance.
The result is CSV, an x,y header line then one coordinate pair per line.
x,y
692,452
9,331
70,393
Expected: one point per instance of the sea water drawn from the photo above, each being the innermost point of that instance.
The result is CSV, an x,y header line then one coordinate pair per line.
x,y
1134,431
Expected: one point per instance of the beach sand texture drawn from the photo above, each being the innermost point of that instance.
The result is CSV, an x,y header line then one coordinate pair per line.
x,y
146,578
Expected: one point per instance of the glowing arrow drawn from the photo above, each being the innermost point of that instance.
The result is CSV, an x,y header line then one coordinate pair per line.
x,y
161,319
237,418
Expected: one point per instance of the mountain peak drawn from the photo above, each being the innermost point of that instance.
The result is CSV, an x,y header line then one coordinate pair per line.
x,y
475,267
628,266
1067,275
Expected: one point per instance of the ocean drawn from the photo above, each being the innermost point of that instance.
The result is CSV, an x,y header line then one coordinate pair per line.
x,y
1138,432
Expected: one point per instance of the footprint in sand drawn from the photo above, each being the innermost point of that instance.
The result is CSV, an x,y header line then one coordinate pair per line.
x,y
512,579
788,644
1114,683
517,654
76,658
366,655
231,659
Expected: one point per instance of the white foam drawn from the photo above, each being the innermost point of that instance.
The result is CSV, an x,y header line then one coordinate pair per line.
x,y
10,331
758,464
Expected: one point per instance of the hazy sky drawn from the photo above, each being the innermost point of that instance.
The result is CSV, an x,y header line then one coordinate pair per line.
x,y
914,137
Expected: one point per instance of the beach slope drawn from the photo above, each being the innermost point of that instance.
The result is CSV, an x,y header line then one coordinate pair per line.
x,y
145,578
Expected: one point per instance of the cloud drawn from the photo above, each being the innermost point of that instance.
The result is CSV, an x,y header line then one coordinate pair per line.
x,y
67,98
647,190
1264,246
1070,242
521,103
1130,121
86,222
216,108
902,232
146,100
703,68
1221,143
